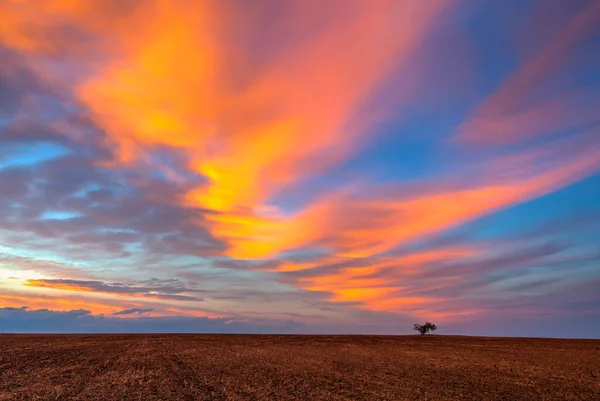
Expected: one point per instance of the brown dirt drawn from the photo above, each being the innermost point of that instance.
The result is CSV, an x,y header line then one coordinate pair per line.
x,y
254,367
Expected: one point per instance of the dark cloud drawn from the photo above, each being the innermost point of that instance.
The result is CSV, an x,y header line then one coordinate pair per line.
x,y
175,297
16,82
541,309
14,183
230,297
167,290
25,320
323,269
508,260
240,264
534,284
499,274
10,97
111,210
549,315
115,208
133,311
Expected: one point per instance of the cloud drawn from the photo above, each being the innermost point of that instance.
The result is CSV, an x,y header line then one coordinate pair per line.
x,y
27,320
239,147
510,115
499,264
427,281
45,267
370,220
564,324
133,311
110,210
171,290
266,114
99,303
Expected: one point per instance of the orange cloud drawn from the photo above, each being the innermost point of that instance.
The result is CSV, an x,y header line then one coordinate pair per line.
x,y
96,303
374,283
161,86
61,303
363,225
184,82
58,286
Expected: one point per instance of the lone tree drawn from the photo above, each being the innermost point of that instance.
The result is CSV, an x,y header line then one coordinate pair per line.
x,y
425,328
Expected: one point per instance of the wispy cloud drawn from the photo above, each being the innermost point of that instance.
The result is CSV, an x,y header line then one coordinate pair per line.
x,y
519,110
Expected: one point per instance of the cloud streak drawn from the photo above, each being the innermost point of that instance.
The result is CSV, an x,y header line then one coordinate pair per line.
x,y
166,291
508,115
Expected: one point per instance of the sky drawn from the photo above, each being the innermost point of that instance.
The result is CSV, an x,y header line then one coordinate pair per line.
x,y
302,166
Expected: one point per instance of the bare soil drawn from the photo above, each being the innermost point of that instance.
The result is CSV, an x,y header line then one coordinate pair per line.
x,y
258,367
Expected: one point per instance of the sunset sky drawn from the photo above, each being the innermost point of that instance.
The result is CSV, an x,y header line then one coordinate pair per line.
x,y
339,166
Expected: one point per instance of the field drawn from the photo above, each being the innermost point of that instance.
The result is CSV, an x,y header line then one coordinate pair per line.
x,y
253,367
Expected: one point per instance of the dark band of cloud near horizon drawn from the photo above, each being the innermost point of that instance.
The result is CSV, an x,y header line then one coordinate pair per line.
x,y
300,165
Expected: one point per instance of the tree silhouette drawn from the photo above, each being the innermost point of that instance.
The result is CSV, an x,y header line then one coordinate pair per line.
x,y
425,328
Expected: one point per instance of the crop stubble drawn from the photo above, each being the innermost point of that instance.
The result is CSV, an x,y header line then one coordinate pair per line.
x,y
254,367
